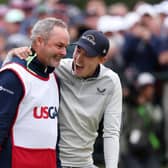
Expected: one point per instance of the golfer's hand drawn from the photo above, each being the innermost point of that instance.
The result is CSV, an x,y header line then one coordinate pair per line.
x,y
21,52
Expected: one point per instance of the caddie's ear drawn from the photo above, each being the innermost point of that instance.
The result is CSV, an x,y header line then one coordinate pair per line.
x,y
39,40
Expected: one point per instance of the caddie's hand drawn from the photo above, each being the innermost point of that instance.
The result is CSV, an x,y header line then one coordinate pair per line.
x,y
21,52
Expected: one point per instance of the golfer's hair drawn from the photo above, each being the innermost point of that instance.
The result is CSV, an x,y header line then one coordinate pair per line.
x,y
43,27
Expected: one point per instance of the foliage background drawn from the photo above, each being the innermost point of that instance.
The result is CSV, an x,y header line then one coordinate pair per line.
x,y
130,3
81,3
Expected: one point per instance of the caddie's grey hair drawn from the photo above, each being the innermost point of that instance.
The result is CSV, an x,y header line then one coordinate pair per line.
x,y
43,27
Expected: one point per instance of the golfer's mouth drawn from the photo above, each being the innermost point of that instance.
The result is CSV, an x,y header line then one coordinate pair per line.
x,y
78,67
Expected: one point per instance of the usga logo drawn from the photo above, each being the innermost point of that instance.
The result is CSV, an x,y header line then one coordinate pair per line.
x,y
45,112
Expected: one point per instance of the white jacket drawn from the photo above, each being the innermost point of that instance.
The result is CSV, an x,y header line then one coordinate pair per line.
x,y
83,104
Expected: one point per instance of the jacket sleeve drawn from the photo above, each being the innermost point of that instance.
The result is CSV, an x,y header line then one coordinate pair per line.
x,y
111,151
11,92
112,124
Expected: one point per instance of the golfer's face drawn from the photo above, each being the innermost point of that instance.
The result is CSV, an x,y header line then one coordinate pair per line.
x,y
84,66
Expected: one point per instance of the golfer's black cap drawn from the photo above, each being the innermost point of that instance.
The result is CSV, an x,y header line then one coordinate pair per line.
x,y
94,42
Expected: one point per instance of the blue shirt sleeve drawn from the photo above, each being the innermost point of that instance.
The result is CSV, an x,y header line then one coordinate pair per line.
x,y
11,93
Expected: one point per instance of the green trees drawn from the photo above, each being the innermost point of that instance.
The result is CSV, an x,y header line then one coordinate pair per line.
x,y
130,3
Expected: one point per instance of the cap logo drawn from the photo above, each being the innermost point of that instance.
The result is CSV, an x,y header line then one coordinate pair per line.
x,y
89,38
104,51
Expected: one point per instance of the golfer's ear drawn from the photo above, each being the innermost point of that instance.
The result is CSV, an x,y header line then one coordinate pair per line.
x,y
102,60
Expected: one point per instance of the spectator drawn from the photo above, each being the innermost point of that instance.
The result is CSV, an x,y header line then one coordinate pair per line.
x,y
140,51
141,131
13,21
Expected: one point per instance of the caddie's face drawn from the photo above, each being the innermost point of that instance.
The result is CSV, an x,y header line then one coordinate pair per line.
x,y
85,66
53,49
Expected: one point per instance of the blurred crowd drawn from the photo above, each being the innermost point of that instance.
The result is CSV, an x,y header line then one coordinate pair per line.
x,y
138,53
